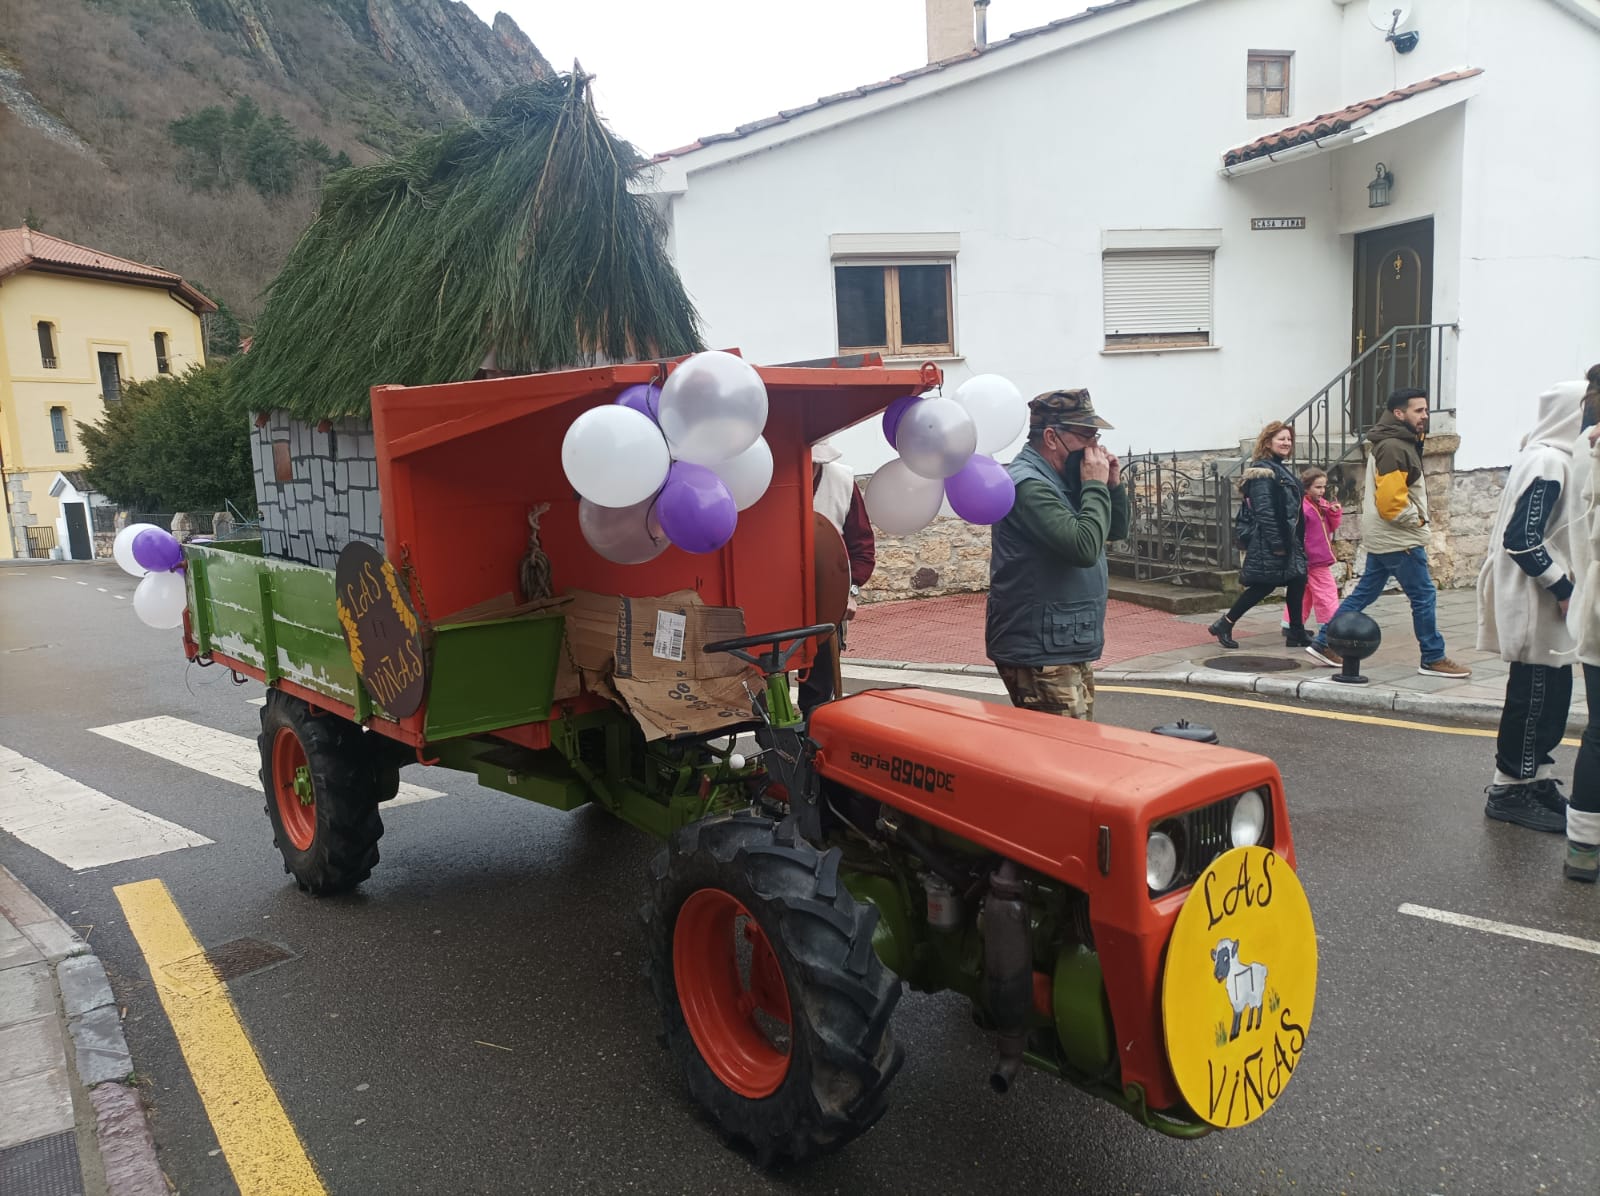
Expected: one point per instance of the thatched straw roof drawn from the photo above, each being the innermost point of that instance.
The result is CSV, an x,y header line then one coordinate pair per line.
x,y
515,234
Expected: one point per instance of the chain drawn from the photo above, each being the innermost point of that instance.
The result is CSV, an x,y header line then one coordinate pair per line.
x,y
409,569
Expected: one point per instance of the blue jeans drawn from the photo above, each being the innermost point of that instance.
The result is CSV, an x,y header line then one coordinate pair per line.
x,y
1410,569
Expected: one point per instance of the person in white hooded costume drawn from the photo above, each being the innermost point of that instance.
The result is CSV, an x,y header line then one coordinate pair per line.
x,y
1583,623
1523,593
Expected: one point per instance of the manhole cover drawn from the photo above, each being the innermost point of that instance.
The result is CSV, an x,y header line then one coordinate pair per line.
x,y
229,961
1252,664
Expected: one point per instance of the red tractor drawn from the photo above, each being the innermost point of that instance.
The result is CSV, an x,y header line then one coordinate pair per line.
x,y
1120,908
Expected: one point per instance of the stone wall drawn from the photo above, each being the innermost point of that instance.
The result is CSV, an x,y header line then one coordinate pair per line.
x,y
949,556
331,497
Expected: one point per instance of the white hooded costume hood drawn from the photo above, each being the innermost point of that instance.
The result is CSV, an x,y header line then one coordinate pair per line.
x,y
1517,615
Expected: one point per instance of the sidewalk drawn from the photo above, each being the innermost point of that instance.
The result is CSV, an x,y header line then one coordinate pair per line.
x,y
70,1121
1150,646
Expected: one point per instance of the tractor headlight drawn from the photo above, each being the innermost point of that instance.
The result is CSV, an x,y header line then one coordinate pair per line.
x,y
1249,819
1160,861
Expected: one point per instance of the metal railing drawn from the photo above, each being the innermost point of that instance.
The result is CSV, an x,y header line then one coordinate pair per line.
x,y
1182,518
1183,512
41,541
1329,427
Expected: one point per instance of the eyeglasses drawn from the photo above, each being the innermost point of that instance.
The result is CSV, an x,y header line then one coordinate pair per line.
x,y
1089,435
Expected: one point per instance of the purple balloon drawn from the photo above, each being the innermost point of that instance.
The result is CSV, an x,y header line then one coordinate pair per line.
x,y
157,550
894,413
643,398
982,492
696,509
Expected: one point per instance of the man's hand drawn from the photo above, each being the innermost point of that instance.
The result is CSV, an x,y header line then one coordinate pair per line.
x,y
1115,478
850,608
1563,604
1096,465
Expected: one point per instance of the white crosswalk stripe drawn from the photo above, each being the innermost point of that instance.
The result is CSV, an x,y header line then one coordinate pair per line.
x,y
76,825
962,682
219,754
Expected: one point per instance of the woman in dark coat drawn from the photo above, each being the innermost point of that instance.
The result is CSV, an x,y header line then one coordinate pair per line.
x,y
1273,530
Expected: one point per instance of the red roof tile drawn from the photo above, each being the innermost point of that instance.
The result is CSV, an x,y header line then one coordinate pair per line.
x,y
1337,122
855,93
24,248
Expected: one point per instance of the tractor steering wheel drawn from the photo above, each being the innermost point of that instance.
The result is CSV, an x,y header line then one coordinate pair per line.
x,y
776,659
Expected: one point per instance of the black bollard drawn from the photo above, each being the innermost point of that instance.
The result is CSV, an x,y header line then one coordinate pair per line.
x,y
1354,636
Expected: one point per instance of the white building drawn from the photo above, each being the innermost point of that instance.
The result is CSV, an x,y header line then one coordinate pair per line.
x,y
1142,199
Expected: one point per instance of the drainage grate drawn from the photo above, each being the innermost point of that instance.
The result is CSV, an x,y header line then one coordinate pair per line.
x,y
1251,664
43,1167
230,960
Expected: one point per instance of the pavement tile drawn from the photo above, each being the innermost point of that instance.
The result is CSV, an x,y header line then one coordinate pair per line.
x,y
55,940
25,993
15,949
36,1105
19,905
30,1047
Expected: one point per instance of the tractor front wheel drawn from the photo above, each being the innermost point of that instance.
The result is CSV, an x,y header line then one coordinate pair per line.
x,y
773,1001
323,787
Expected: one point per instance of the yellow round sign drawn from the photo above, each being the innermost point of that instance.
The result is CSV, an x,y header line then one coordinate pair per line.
x,y
1239,985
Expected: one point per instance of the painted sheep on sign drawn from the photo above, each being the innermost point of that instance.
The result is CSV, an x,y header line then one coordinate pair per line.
x,y
1246,984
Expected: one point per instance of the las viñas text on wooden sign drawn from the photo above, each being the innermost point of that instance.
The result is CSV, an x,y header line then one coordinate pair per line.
x,y
381,630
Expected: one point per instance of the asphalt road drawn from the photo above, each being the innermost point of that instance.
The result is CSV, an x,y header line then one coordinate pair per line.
x,y
1442,1059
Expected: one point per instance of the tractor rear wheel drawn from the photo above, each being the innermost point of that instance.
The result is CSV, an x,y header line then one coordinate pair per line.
x,y
773,1001
323,786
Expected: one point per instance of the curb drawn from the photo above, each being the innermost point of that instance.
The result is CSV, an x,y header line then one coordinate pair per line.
x,y
100,1060
1317,691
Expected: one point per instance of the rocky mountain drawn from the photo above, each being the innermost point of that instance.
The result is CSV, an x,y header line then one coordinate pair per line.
x,y
90,91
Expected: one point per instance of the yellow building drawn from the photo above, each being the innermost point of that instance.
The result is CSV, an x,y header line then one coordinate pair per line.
x,y
76,325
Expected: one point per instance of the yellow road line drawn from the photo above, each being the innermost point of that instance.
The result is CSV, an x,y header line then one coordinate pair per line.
x,y
1340,716
257,1139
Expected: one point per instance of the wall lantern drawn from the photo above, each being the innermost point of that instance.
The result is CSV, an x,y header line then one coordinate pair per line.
x,y
1378,189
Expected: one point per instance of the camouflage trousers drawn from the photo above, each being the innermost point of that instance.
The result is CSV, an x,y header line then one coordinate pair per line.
x,y
1064,689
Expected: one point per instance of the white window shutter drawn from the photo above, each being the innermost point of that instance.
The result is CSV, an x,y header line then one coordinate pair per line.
x,y
1163,291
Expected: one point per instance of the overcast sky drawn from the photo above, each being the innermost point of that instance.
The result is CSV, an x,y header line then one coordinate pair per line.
x,y
669,70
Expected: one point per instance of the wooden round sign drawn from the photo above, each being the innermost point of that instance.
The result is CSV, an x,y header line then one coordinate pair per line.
x,y
381,630
831,571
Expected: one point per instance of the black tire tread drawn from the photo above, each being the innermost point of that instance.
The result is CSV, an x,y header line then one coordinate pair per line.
x,y
347,779
841,998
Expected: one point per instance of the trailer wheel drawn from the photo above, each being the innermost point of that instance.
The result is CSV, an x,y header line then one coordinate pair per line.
x,y
773,1001
323,787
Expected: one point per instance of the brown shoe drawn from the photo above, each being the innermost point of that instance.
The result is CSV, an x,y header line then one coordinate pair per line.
x,y
1444,667
1324,654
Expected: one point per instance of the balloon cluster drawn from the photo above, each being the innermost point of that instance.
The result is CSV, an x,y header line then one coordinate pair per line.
x,y
154,555
946,447
671,464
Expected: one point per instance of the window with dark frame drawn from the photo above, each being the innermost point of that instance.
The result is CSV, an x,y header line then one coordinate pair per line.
x,y
111,377
163,365
902,309
58,428
47,344
1266,85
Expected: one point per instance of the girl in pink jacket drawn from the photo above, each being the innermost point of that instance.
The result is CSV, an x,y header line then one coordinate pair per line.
x,y
1322,516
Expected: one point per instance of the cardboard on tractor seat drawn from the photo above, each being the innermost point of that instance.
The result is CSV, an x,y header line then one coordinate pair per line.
x,y
648,654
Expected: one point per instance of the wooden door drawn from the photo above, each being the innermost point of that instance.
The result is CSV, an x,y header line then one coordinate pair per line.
x,y
1393,289
79,546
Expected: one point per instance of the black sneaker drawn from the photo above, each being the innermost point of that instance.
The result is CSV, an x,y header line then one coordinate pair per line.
x,y
1520,805
1547,793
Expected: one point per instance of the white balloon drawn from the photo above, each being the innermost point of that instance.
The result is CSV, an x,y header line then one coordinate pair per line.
x,y
122,549
713,406
997,408
936,437
160,599
623,535
900,501
748,475
614,456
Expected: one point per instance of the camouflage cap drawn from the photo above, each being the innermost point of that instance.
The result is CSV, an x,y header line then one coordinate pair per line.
x,y
1063,408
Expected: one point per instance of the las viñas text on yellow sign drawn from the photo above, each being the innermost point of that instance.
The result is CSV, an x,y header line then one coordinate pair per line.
x,y
1239,986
